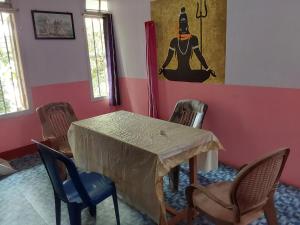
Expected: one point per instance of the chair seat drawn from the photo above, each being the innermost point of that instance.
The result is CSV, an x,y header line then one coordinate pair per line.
x,y
98,187
211,208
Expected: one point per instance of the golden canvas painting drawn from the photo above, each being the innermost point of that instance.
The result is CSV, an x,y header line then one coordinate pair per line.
x,y
191,39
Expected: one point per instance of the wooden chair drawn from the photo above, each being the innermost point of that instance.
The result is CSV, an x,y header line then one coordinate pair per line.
x,y
243,200
56,119
189,113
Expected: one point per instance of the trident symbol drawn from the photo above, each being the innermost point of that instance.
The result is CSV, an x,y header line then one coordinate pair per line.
x,y
201,15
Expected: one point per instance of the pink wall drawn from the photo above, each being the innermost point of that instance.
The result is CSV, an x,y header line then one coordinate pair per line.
x,y
17,131
78,94
249,121
134,95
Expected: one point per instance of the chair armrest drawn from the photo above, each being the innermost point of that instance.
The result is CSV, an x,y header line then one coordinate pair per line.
x,y
68,154
56,144
51,142
242,167
210,195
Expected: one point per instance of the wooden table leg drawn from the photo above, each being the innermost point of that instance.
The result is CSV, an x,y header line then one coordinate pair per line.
x,y
181,215
162,221
193,170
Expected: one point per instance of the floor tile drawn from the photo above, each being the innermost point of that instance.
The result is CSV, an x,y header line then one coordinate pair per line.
x,y
26,198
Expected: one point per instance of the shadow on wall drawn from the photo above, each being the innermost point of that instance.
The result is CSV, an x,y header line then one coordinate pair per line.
x,y
134,94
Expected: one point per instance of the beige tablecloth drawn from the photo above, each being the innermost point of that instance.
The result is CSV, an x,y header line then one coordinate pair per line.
x,y
136,151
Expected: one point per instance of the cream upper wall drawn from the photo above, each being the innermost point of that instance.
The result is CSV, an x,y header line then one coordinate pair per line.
x,y
61,61
129,18
262,40
263,43
51,61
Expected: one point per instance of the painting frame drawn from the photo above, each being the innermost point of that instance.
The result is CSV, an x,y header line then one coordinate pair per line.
x,y
63,29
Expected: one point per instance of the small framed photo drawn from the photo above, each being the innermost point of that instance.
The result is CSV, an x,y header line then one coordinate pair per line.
x,y
53,25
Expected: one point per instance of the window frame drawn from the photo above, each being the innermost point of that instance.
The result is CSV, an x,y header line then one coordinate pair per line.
x,y
93,14
6,7
5,2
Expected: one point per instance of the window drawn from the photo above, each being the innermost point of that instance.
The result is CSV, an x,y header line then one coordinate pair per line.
x,y
96,46
12,89
96,5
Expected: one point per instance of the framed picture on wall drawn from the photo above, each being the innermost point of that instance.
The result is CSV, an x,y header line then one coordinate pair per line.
x,y
53,25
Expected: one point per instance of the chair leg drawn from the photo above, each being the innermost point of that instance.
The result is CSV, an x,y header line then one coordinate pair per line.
x,y
270,212
62,170
74,214
57,209
190,214
115,200
174,178
93,211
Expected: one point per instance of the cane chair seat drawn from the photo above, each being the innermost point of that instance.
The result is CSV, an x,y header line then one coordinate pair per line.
x,y
210,207
245,199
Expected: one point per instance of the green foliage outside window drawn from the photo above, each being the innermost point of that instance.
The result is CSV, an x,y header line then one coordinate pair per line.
x,y
4,70
97,56
12,91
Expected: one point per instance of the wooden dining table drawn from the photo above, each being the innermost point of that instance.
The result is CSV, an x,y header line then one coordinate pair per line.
x,y
136,152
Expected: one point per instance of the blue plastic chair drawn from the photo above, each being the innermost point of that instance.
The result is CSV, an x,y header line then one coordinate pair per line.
x,y
82,190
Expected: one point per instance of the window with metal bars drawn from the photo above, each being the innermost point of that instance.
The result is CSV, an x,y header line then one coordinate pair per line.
x,y
96,46
13,96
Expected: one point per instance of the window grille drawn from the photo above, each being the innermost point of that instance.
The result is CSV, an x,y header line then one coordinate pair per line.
x,y
96,46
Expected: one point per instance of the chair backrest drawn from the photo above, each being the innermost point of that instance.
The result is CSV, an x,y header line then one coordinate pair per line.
x,y
51,158
189,112
256,182
56,119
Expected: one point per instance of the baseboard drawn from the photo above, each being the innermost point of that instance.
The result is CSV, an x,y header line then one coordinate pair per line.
x,y
20,152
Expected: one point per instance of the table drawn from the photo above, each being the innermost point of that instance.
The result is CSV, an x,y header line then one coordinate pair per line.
x,y
136,151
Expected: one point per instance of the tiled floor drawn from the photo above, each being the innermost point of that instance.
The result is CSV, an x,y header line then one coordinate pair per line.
x,y
26,198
